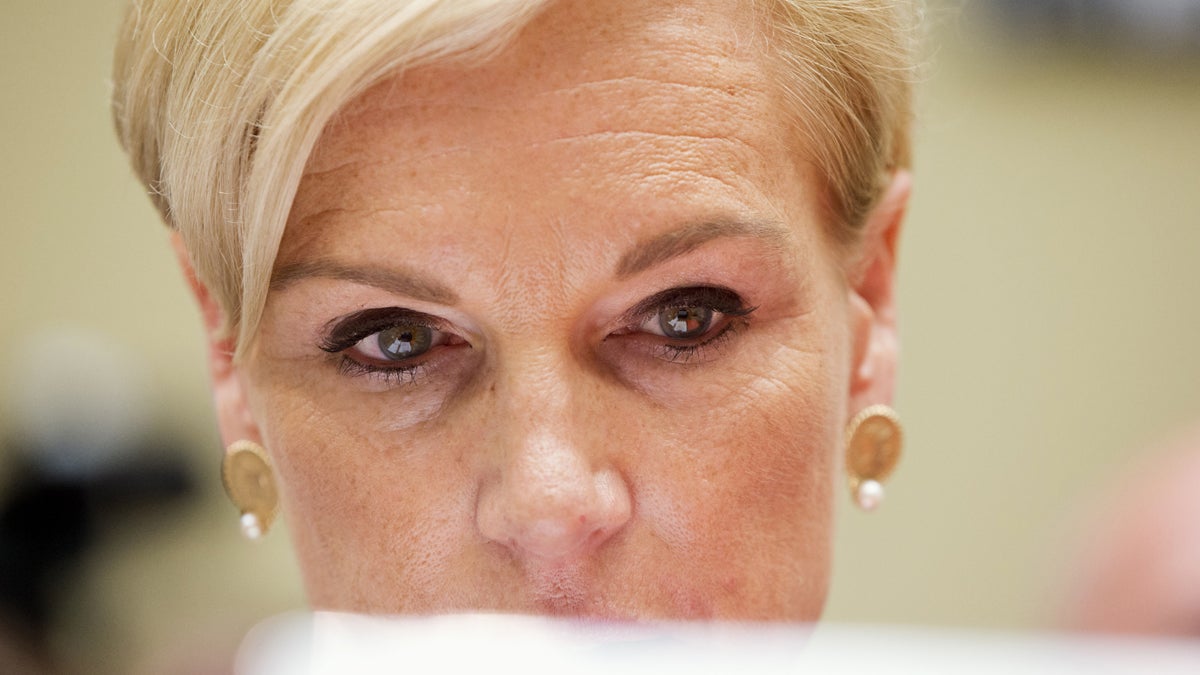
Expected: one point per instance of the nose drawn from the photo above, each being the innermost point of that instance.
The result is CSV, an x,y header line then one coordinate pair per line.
x,y
552,500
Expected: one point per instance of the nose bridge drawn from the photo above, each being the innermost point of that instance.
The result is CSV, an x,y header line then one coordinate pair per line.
x,y
537,387
556,492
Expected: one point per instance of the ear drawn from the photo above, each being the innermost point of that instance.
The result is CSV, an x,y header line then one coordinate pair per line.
x,y
233,413
872,283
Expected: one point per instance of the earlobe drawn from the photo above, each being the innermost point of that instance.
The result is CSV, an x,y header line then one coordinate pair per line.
x,y
872,279
233,412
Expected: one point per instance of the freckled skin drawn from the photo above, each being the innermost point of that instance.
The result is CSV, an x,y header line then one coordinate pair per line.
x,y
554,464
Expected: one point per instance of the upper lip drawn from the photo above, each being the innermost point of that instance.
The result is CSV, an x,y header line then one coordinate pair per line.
x,y
589,610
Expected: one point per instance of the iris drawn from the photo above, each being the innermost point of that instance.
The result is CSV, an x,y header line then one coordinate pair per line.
x,y
405,341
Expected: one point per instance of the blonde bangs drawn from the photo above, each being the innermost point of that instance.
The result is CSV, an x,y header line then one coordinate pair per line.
x,y
220,104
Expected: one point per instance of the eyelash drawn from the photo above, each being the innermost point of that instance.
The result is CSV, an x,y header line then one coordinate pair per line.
x,y
686,353
389,375
726,302
351,330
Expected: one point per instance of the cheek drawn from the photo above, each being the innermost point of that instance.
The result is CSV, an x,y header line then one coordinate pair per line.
x,y
742,491
375,519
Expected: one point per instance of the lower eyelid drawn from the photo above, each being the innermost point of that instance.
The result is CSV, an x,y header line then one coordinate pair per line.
x,y
397,373
692,353
710,341
375,379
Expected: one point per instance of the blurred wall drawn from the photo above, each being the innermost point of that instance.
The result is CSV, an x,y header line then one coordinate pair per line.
x,y
1049,294
1050,317
84,255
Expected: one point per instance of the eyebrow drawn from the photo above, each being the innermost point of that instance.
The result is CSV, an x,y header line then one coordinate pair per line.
x,y
661,248
650,253
398,281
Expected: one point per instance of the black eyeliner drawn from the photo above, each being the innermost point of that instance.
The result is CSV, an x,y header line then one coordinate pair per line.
x,y
349,330
720,299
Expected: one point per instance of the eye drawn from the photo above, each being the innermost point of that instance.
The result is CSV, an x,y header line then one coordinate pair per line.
x,y
390,338
681,322
399,343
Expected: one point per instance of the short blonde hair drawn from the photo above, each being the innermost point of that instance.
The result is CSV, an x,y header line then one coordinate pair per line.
x,y
219,104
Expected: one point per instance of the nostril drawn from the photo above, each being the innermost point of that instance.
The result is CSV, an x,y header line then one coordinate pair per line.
x,y
597,535
549,538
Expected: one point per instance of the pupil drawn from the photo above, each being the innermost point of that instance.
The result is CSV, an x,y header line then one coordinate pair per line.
x,y
685,322
405,342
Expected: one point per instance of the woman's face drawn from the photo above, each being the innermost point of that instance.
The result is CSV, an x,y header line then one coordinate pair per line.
x,y
563,333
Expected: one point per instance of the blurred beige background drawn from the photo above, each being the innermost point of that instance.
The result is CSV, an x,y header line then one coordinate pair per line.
x,y
1049,291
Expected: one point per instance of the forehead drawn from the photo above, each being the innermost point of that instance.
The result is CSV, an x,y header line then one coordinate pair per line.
x,y
634,114
578,50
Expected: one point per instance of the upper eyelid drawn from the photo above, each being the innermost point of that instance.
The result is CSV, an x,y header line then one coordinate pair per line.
x,y
374,313
343,332
697,294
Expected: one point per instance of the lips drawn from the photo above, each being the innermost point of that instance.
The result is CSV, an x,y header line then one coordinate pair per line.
x,y
568,594
589,610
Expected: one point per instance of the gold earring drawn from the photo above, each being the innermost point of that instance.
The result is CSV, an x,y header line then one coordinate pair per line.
x,y
250,483
873,442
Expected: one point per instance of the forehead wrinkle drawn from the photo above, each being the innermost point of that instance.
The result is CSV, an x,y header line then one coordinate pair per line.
x,y
408,95
335,192
335,159
361,162
723,118
724,88
630,133
729,93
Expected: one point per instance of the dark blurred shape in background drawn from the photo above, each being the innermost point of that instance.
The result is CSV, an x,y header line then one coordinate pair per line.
x,y
84,455
1163,27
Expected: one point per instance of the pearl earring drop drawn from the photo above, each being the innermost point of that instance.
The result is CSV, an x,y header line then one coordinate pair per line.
x,y
869,495
251,527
